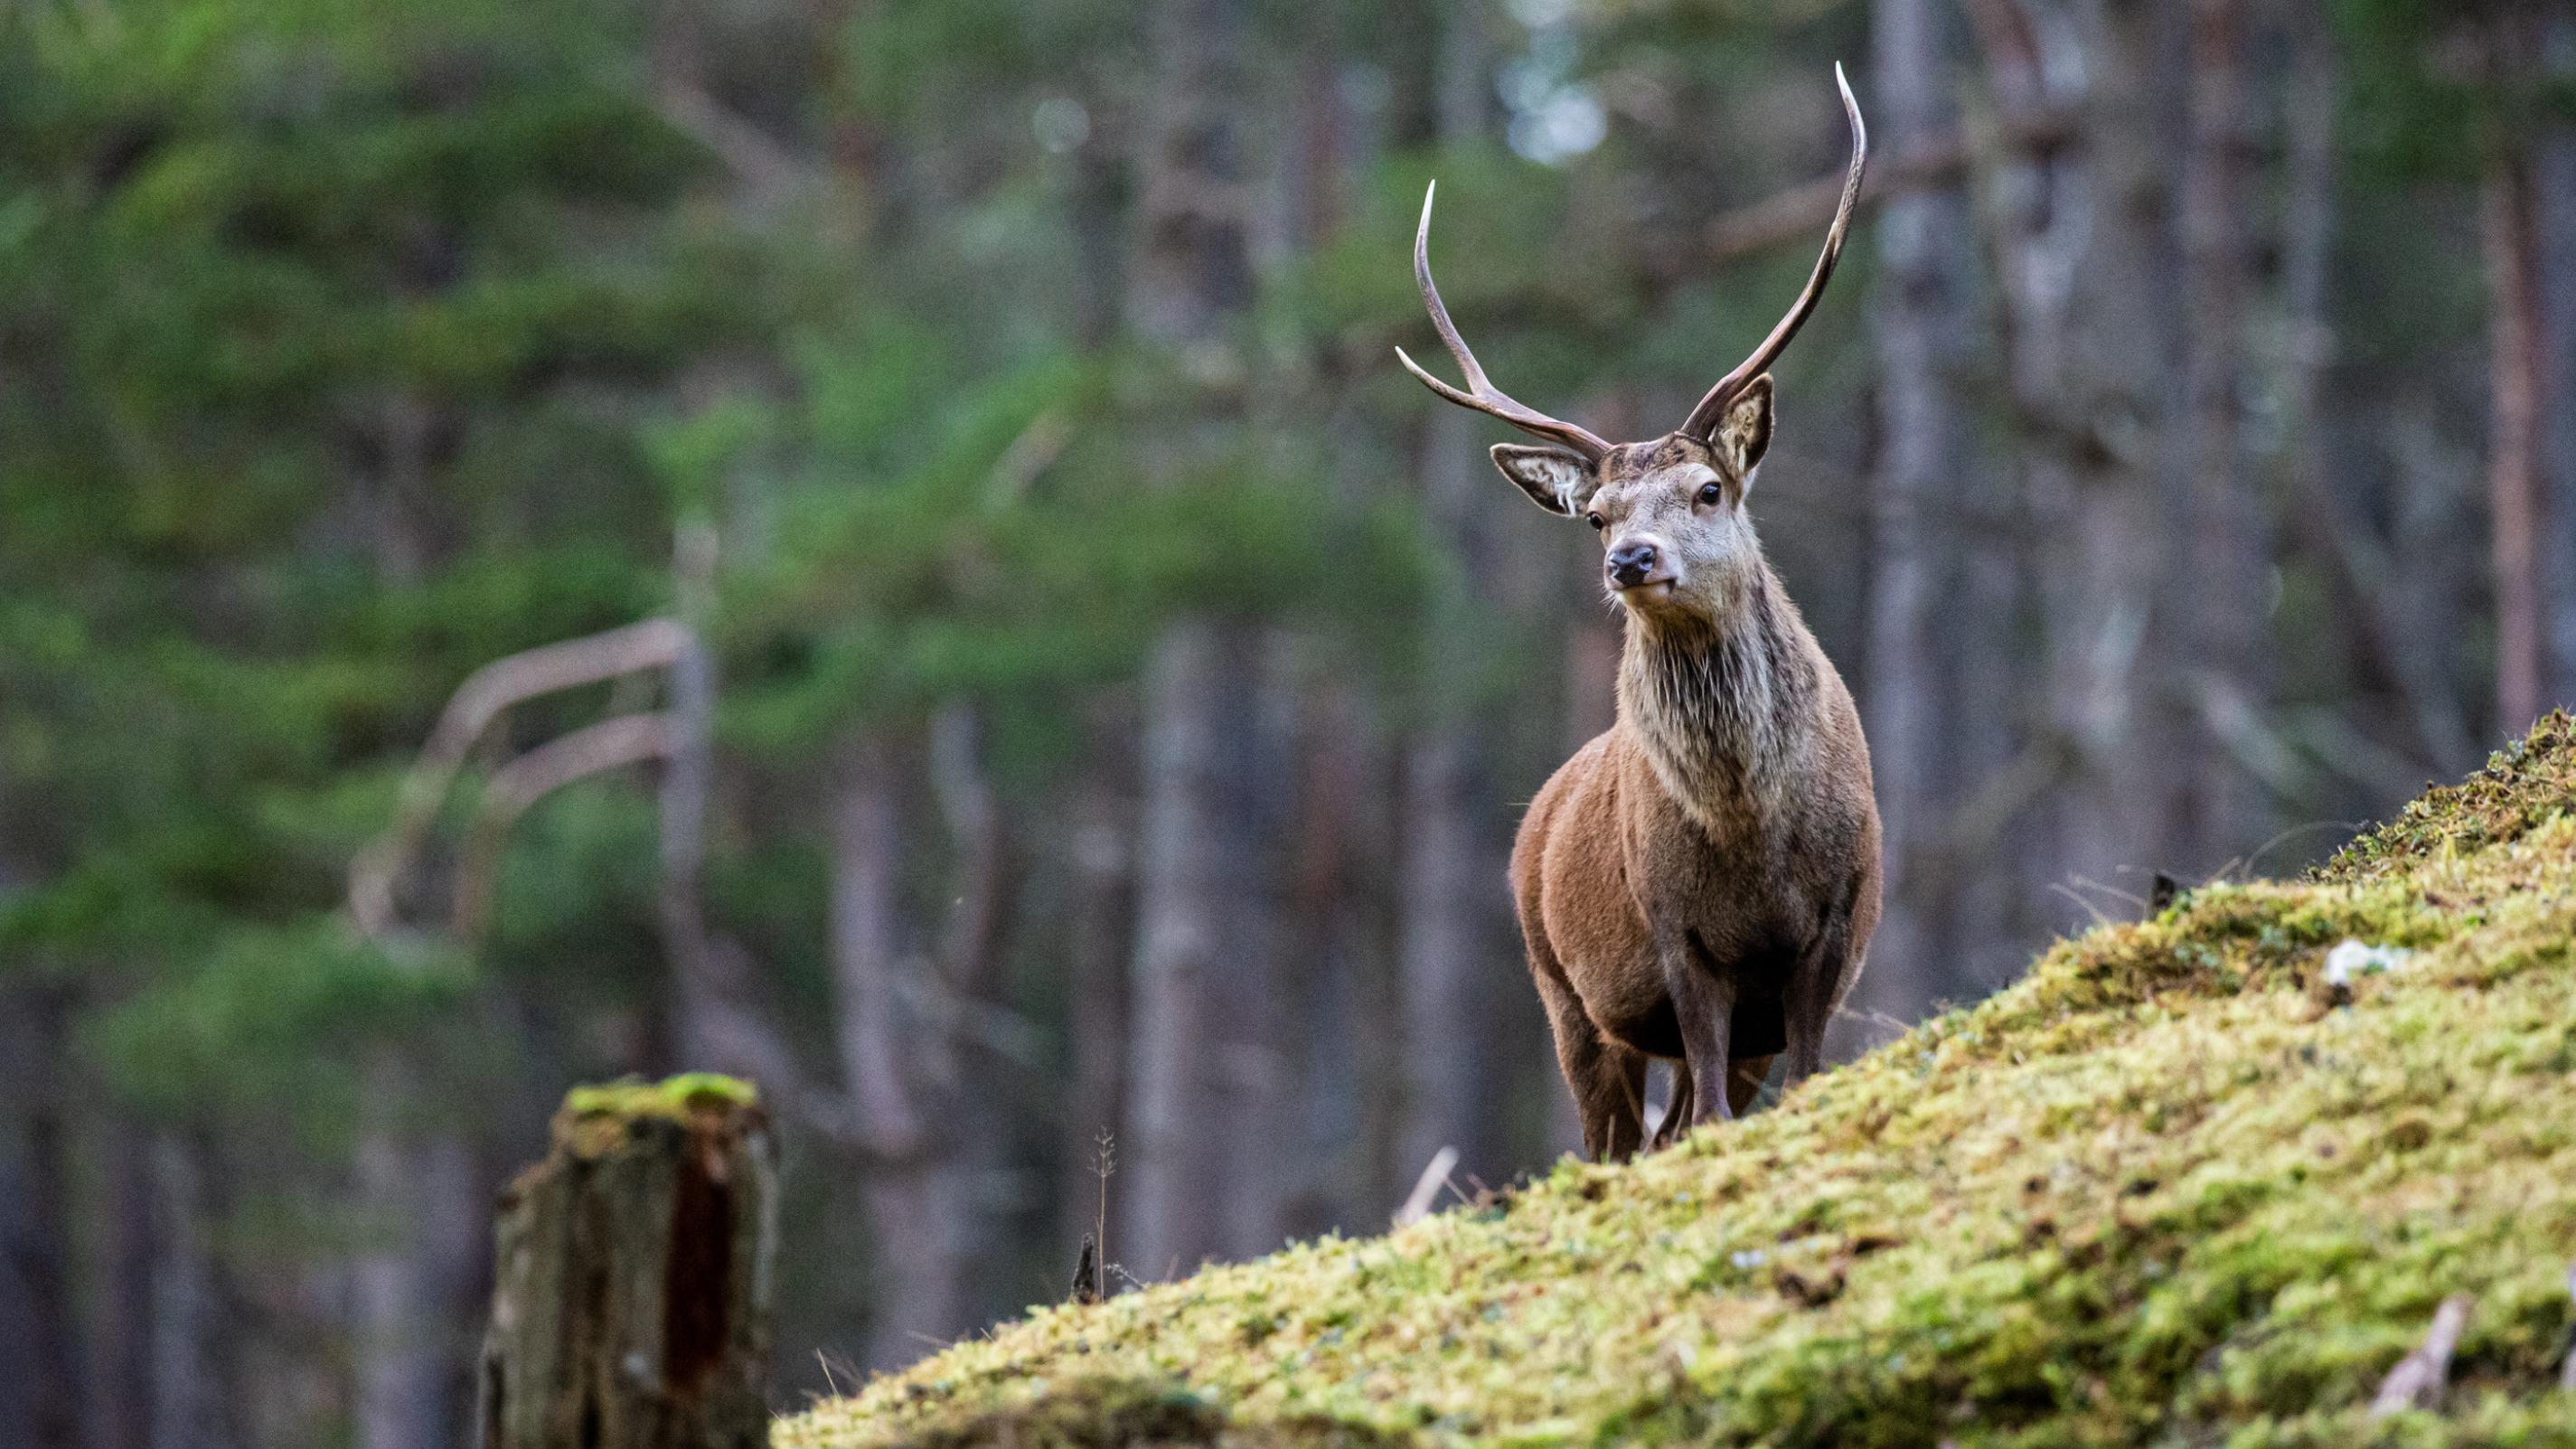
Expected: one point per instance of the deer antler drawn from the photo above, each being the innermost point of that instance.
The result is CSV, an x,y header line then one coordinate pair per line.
x,y
1481,393
1703,420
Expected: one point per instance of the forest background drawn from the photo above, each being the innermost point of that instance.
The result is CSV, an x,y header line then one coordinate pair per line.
x,y
1017,669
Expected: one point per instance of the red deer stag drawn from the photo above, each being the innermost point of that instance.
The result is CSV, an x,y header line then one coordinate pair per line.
x,y
1700,883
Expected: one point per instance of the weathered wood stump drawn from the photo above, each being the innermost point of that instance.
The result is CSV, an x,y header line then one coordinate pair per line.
x,y
631,1302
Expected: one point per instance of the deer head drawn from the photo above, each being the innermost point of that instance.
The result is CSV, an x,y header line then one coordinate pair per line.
x,y
1670,512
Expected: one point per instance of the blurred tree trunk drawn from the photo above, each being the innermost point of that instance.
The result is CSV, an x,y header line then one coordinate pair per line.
x,y
972,951
1099,840
2554,179
2218,605
698,994
2089,273
399,1304
121,1402
2553,182
40,1394
1456,912
896,1057
2509,215
2513,449
190,1405
1202,915
2322,516
1455,906
1099,832
1918,634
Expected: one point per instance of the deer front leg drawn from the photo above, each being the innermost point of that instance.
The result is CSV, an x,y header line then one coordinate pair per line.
x,y
1704,1006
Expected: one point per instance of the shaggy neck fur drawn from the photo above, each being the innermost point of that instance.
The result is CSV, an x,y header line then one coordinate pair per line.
x,y
1717,698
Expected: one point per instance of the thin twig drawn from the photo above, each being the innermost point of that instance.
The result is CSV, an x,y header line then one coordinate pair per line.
x,y
2419,1378
1426,1188
2567,1370
2090,909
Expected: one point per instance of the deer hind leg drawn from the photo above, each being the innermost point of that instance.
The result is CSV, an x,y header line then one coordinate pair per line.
x,y
1608,1080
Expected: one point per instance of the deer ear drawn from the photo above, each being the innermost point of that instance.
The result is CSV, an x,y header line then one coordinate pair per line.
x,y
1556,480
1744,434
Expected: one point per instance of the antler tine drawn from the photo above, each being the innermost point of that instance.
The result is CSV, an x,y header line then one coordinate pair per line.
x,y
1481,393
1703,420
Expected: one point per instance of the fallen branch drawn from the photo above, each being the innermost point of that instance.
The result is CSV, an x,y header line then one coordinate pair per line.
x,y
652,644
2419,1378
610,744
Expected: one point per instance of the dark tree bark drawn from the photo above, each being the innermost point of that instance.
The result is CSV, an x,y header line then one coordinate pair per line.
x,y
2554,185
189,1399
631,1303
41,1397
1459,944
2218,603
897,1056
1100,841
1203,919
1458,936
2089,267
122,1405
2509,207
1918,634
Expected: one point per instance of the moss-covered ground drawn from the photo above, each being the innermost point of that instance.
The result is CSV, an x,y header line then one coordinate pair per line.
x,y
2169,1189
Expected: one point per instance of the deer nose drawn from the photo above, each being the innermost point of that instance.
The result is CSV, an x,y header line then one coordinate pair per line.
x,y
1630,563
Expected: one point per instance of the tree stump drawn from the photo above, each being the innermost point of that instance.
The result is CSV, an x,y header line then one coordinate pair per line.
x,y
632,1292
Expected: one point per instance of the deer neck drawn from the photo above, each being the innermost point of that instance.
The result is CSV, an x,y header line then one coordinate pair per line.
x,y
1716,699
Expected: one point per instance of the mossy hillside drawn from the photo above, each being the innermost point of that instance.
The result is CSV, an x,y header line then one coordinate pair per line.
x,y
2164,1191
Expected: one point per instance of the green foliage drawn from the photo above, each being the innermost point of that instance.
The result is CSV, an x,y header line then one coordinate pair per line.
x,y
330,331
2167,1189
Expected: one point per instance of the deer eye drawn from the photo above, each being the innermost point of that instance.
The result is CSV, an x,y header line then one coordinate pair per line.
x,y
1594,519
1709,493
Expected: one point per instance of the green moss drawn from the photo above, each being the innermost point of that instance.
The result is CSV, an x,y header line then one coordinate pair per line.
x,y
2166,1190
674,1097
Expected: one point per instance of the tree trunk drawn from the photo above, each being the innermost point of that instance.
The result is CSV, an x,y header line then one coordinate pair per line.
x,y
1455,905
632,1294
2513,447
1203,931
188,1407
2218,603
1100,839
124,1369
698,994
1196,884
1455,910
1914,706
40,1398
895,1055
2554,180
2088,271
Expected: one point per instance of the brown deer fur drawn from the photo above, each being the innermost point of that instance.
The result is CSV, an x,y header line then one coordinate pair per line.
x,y
1700,882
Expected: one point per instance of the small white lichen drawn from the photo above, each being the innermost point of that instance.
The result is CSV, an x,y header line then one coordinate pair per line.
x,y
2352,958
